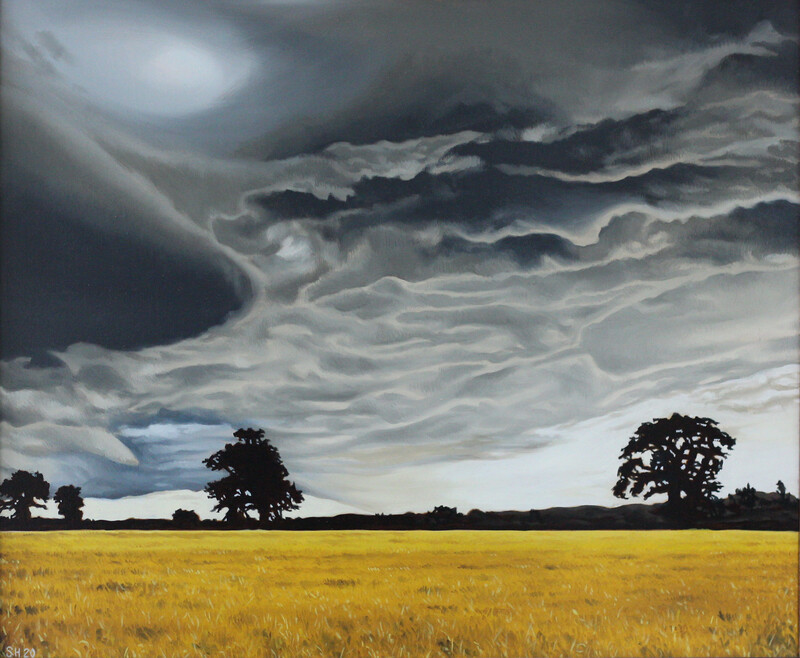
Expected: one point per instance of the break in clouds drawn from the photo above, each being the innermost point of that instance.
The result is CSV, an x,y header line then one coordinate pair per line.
x,y
447,253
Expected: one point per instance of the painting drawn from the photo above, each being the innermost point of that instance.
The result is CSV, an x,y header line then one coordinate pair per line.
x,y
401,328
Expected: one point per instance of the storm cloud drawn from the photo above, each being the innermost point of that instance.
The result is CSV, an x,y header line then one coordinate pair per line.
x,y
489,242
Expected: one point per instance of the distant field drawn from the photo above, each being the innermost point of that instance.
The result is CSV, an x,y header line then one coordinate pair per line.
x,y
460,593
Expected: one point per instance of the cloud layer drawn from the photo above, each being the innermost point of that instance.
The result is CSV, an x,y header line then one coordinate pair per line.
x,y
449,264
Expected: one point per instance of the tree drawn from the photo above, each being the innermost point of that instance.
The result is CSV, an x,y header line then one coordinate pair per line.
x,y
679,456
782,490
21,491
256,480
69,501
185,518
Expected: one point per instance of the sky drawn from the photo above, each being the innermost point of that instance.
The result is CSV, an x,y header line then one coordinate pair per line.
x,y
446,253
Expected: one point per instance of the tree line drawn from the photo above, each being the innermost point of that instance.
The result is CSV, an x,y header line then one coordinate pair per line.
x,y
679,456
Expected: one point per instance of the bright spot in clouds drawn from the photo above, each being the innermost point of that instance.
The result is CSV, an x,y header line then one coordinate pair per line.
x,y
179,67
133,66
159,74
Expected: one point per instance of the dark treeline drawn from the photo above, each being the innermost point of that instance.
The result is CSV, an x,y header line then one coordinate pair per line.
x,y
769,512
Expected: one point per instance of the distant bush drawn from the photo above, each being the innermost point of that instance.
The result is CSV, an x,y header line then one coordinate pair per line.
x,y
747,496
185,518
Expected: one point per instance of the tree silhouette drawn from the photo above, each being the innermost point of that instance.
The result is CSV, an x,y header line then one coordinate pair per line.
x,y
21,491
185,518
679,456
69,501
256,480
781,490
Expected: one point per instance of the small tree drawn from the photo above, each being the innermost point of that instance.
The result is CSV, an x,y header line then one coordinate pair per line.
x,y
256,480
782,490
678,456
185,518
21,491
70,502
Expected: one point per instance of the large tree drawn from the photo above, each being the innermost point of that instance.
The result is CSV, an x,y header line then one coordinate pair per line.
x,y
70,502
679,456
256,480
21,491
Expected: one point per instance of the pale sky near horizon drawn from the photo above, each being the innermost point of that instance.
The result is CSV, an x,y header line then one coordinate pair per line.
x,y
443,253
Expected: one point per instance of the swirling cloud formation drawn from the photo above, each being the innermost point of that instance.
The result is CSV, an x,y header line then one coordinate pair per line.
x,y
443,254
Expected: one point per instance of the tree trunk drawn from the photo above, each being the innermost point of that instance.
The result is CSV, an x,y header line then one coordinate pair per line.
x,y
674,501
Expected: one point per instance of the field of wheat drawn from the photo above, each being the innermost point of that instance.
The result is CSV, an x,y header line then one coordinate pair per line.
x,y
240,594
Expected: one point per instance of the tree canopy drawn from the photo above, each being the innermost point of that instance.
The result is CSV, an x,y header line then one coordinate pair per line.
x,y
70,502
679,456
21,491
185,518
256,480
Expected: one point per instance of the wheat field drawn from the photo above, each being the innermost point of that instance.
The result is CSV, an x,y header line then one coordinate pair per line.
x,y
460,593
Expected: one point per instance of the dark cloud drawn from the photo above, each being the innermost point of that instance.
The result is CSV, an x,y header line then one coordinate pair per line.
x,y
699,18
585,150
526,250
439,111
108,289
486,198
778,70
764,230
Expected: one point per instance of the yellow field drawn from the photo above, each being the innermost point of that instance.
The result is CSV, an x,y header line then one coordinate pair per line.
x,y
238,594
